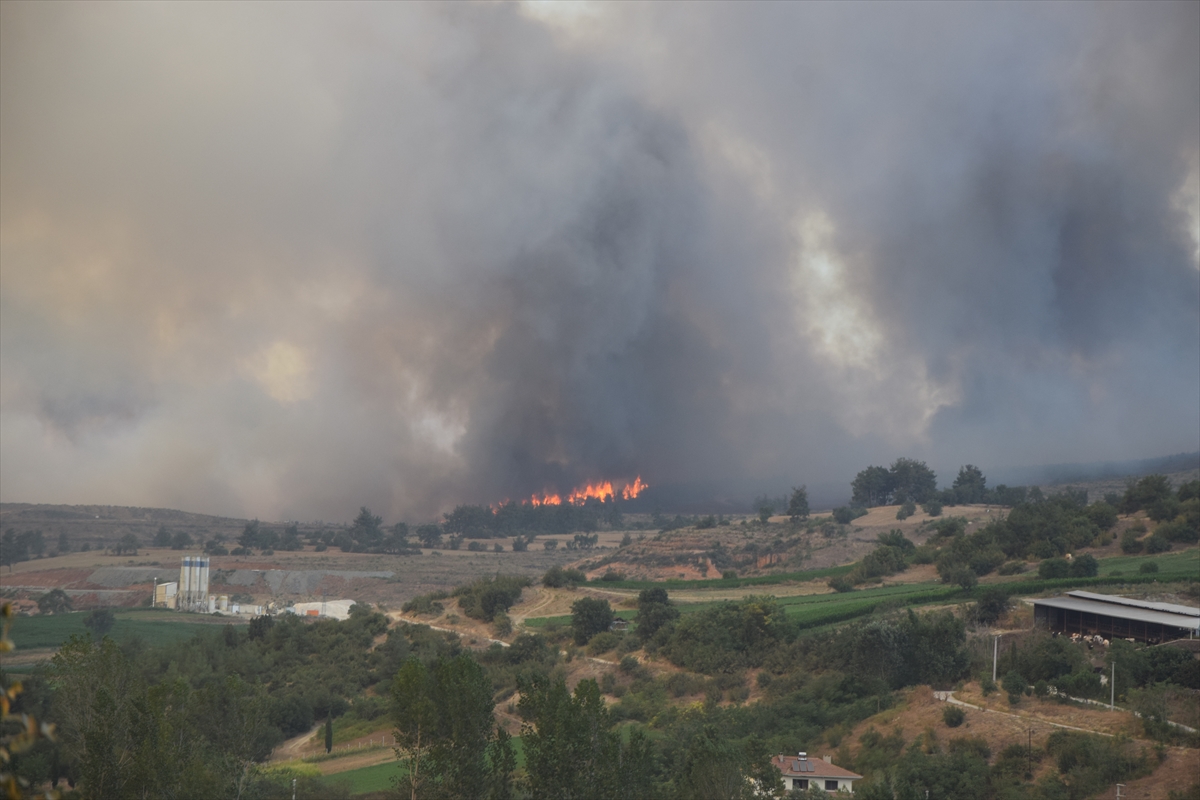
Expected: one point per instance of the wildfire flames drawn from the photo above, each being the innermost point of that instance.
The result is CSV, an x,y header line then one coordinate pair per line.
x,y
599,491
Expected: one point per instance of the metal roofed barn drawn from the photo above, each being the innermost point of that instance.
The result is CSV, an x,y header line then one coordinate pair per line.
x,y
1119,617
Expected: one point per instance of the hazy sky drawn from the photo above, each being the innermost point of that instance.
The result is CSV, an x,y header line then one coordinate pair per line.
x,y
285,260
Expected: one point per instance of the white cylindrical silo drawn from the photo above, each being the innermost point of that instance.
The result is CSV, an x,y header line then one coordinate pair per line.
x,y
185,581
204,575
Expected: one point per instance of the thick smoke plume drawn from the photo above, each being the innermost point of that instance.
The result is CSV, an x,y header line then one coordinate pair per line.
x,y
286,260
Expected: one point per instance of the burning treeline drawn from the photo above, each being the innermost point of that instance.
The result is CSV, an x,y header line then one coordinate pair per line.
x,y
584,509
599,491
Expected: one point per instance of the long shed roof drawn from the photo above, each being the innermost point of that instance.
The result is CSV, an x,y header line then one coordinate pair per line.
x,y
1121,611
1170,608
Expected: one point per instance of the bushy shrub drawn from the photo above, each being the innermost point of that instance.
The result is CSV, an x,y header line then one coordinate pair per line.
x,y
1102,515
475,547
1148,568
425,604
1130,543
1157,544
602,642
841,584
681,684
629,665
847,514
953,716
933,508
486,597
1011,568
1179,530
1014,684
906,510
558,578
992,604
1084,566
612,575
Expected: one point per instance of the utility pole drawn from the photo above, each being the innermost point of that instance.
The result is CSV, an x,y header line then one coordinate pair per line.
x,y
1112,701
995,655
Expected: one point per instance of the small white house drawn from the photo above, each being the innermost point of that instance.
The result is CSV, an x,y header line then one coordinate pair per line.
x,y
801,772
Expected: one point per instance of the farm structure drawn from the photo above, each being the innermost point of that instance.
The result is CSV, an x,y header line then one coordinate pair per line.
x,y
1116,617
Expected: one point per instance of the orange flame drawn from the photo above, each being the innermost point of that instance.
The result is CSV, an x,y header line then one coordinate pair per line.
x,y
602,490
632,490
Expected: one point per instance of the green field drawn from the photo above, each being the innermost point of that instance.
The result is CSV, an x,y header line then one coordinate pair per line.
x,y
154,626
1185,564
565,619
814,610
378,778
730,583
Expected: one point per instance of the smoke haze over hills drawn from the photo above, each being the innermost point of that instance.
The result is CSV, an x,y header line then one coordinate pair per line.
x,y
286,260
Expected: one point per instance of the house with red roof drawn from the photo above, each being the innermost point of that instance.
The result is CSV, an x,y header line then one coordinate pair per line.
x,y
802,772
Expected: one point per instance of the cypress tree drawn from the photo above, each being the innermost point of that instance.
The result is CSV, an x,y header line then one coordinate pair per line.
x,y
329,733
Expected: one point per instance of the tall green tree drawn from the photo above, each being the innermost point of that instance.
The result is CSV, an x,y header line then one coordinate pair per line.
x,y
798,504
571,749
716,768
55,601
367,529
589,616
249,536
872,487
654,612
446,733
100,621
162,538
912,481
970,486
94,710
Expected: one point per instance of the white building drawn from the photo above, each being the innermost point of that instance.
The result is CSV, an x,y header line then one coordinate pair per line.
x,y
801,772
332,609
165,595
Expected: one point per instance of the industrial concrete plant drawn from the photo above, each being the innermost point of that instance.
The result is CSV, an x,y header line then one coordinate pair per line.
x,y
193,585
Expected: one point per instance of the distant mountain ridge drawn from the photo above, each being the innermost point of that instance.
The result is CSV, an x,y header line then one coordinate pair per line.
x,y
1062,474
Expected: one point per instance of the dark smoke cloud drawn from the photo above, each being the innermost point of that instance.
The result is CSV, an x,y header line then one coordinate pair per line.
x,y
287,260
